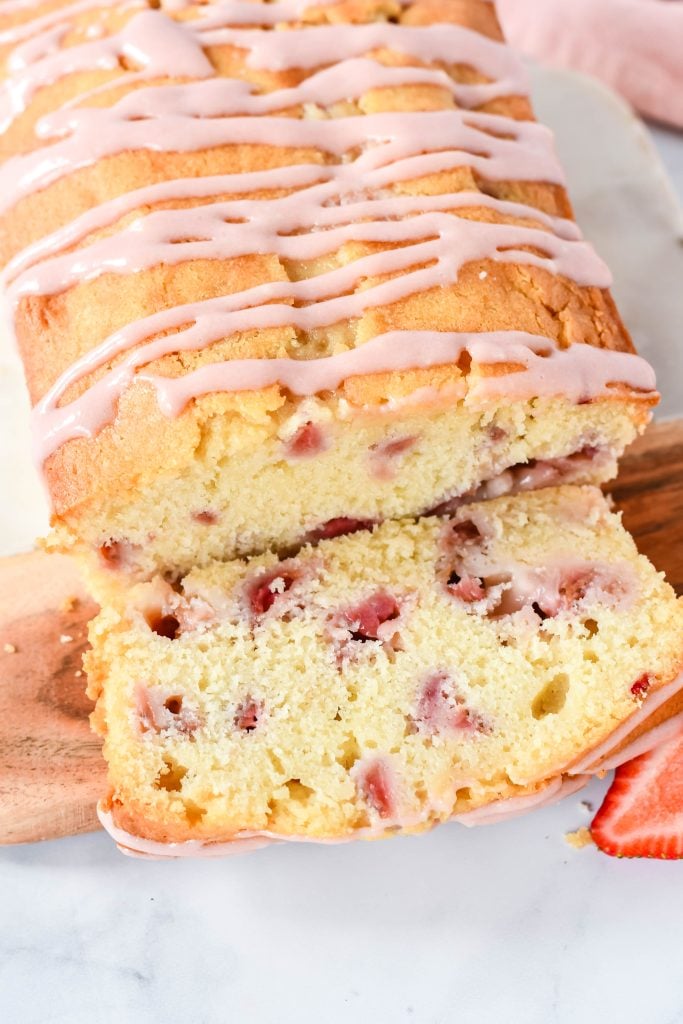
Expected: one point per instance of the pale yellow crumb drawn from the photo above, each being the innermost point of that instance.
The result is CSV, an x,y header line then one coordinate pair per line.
x,y
292,722
78,673
9,649
580,838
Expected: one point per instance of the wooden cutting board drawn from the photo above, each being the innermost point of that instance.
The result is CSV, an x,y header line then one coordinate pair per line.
x,y
51,769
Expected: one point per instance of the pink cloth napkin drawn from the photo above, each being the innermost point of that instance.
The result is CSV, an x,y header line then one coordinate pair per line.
x,y
635,46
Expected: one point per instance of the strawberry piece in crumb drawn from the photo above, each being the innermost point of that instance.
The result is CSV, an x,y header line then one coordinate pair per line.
x,y
641,686
374,783
206,516
439,710
263,592
463,533
466,588
307,442
117,554
339,527
248,714
384,456
365,619
167,626
642,814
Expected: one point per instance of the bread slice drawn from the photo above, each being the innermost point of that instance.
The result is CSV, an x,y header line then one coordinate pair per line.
x,y
384,681
265,281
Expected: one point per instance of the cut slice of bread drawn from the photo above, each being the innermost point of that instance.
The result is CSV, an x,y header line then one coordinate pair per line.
x,y
383,681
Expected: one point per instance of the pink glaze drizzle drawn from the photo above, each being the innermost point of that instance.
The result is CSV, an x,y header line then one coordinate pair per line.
x,y
579,370
240,228
60,16
393,147
597,758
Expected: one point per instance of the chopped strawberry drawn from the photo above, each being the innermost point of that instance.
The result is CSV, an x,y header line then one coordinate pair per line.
x,y
385,455
576,585
117,554
466,588
374,784
206,516
308,441
365,619
642,814
439,710
267,587
339,527
641,686
465,532
248,715
496,433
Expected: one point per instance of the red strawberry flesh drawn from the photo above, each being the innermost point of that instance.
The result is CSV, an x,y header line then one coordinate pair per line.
x,y
366,618
307,442
642,813
265,589
374,785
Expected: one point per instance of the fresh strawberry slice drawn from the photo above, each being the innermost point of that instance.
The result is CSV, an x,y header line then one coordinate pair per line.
x,y
642,814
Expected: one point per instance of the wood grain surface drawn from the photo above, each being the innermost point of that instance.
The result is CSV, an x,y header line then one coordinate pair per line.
x,y
51,770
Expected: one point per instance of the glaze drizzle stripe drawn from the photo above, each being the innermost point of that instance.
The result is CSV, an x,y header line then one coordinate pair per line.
x,y
59,16
394,147
292,177
579,371
403,146
244,842
449,241
166,48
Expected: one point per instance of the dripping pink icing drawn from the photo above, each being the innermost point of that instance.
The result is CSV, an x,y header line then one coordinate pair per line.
x,y
246,12
164,47
501,810
578,370
316,45
644,744
244,842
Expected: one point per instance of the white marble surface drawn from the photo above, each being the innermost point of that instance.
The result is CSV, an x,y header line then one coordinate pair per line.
x,y
498,925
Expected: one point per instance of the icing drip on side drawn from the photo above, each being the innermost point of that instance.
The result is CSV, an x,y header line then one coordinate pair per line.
x,y
166,48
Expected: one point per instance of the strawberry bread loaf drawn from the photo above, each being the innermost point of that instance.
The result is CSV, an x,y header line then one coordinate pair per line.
x,y
384,681
275,267
312,341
